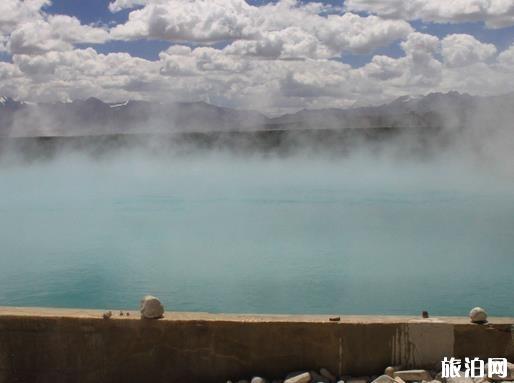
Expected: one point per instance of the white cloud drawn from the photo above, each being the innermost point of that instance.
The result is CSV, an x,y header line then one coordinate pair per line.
x,y
417,70
183,61
183,20
8,71
420,44
357,34
279,57
26,28
291,42
283,29
495,13
215,75
82,73
385,68
53,33
506,58
421,71
459,50
119,5
14,12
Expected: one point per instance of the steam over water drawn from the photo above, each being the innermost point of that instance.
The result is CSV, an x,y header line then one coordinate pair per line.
x,y
222,233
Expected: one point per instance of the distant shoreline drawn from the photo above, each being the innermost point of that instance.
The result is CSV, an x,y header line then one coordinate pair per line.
x,y
280,141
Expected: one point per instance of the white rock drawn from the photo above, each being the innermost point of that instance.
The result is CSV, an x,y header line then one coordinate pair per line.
x,y
384,379
478,315
151,307
413,375
389,371
258,379
301,378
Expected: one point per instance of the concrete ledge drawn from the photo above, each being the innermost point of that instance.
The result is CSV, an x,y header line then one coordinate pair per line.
x,y
61,345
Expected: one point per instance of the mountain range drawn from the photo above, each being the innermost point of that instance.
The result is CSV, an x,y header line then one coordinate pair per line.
x,y
95,117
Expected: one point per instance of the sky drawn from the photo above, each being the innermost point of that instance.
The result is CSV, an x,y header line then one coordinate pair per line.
x,y
272,56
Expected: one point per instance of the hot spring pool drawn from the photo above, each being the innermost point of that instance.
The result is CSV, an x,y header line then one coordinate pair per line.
x,y
224,234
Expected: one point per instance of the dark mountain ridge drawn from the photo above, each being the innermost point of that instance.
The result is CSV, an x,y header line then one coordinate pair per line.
x,y
95,117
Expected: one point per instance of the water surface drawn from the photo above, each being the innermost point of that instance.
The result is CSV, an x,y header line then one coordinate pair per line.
x,y
246,235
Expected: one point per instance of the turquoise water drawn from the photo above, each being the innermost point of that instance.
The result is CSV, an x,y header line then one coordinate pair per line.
x,y
225,234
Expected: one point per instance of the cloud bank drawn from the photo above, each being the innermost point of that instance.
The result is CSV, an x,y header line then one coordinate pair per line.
x,y
276,57
495,13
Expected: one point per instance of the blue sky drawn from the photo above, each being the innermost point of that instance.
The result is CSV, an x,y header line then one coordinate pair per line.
x,y
97,12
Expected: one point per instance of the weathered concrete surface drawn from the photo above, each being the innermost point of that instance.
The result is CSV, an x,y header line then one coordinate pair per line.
x,y
42,345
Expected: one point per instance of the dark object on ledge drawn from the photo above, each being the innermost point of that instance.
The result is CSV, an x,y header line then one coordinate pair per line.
x,y
107,315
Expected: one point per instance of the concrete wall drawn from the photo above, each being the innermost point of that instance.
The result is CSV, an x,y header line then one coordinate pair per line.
x,y
40,345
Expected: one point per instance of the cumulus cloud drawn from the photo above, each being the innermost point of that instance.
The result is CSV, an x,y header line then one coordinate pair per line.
x,y
495,13
433,65
283,29
461,50
322,82
53,33
82,73
119,5
417,70
506,58
291,42
279,57
26,28
218,76
14,12
183,20
8,71
183,61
